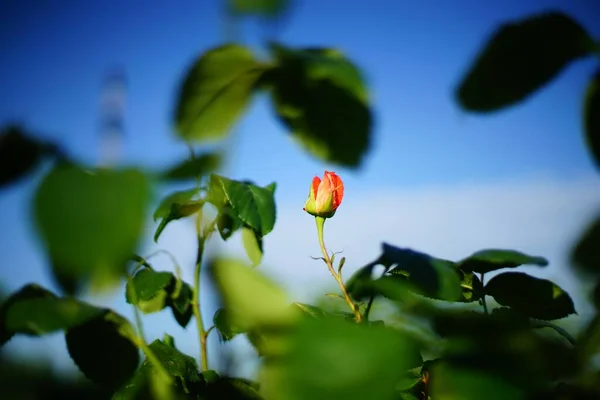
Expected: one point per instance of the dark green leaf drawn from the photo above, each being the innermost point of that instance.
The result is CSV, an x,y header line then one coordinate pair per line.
x,y
322,99
28,292
176,212
215,92
253,205
591,110
197,167
175,362
179,197
137,388
331,358
232,389
253,244
103,349
224,322
151,290
19,154
485,261
227,222
263,8
429,276
180,301
533,297
449,382
77,212
520,58
586,253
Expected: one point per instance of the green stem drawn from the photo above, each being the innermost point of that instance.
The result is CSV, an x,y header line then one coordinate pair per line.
x,y
196,297
320,223
483,303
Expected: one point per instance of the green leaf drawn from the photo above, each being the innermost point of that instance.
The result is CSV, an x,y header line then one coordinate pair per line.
x,y
215,92
175,362
176,212
449,382
586,252
180,301
179,197
195,168
77,210
253,205
224,322
485,261
151,290
30,291
263,8
253,298
227,222
533,297
103,349
331,358
321,97
591,117
253,244
471,286
20,154
520,57
429,276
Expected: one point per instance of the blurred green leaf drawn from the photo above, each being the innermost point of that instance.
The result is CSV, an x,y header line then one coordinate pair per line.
x,y
77,212
488,260
449,382
215,92
429,276
30,291
151,290
19,154
322,99
137,388
225,323
178,197
253,205
533,297
331,358
253,299
520,57
253,244
195,168
232,389
263,8
591,109
103,349
42,315
586,252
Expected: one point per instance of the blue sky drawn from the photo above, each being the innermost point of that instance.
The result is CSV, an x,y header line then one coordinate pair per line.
x,y
425,149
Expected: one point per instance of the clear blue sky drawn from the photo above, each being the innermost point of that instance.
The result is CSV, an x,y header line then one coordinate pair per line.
x,y
412,53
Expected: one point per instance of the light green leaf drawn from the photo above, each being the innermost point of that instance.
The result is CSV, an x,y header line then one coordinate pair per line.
x,y
151,290
224,322
179,197
253,245
90,221
215,92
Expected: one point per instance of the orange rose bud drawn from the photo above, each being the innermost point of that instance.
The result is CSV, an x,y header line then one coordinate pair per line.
x,y
325,196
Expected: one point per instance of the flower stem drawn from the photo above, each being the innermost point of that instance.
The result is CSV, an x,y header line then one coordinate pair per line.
x,y
320,223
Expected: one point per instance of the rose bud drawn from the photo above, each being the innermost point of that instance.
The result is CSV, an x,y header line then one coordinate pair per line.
x,y
325,196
